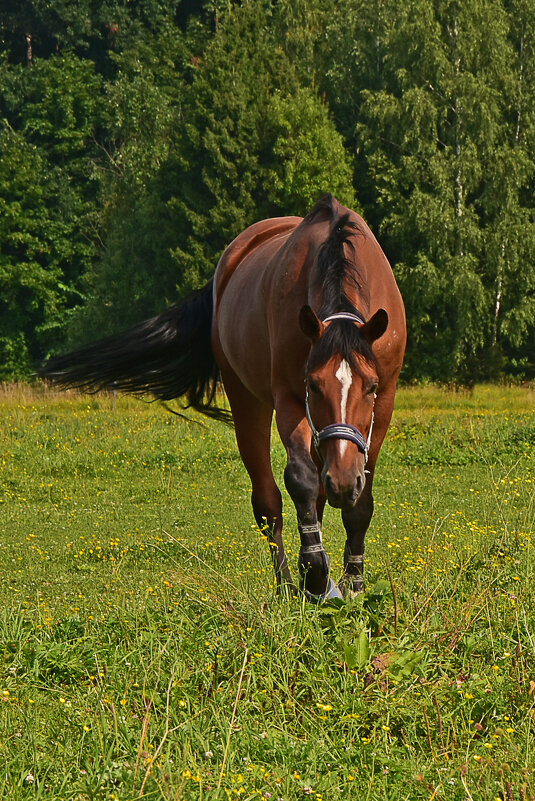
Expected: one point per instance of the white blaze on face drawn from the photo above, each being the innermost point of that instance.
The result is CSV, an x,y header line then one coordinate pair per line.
x,y
345,377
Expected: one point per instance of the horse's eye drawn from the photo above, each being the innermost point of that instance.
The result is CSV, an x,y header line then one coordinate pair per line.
x,y
373,389
314,387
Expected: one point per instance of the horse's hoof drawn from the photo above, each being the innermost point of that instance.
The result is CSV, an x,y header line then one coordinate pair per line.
x,y
331,593
349,589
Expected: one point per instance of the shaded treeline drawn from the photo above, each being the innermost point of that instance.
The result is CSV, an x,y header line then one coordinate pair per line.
x,y
137,139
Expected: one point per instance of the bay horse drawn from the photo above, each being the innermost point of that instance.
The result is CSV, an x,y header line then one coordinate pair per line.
x,y
302,317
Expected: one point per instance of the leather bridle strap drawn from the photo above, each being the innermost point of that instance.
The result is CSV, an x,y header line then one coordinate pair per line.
x,y
340,430
355,318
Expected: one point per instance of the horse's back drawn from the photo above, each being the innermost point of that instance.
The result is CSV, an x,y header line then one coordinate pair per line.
x,y
264,235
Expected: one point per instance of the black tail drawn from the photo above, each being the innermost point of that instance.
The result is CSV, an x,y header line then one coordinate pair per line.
x,y
169,356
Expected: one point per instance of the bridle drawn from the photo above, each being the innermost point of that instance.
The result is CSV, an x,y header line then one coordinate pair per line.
x,y
341,430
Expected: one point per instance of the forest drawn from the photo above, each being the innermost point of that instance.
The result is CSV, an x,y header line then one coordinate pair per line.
x,y
138,137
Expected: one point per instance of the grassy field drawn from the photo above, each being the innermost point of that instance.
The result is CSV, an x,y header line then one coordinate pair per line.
x,y
145,654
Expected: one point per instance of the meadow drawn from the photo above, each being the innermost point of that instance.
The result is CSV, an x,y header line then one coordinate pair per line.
x,y
145,653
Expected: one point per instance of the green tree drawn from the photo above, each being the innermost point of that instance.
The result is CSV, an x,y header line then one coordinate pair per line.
x,y
135,275
508,201
307,154
32,238
258,142
47,195
203,148
432,133
39,29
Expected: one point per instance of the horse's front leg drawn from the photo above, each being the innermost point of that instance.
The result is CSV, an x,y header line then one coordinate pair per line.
x,y
356,521
303,484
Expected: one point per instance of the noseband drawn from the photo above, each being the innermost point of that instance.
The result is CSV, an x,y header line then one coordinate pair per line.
x,y
340,430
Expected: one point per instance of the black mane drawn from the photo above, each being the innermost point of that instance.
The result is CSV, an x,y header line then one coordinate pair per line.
x,y
335,274
343,337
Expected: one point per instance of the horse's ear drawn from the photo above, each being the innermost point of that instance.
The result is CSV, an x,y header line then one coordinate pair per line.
x,y
376,326
310,324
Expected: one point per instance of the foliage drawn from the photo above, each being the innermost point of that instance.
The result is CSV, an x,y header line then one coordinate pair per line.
x,y
449,170
36,253
309,154
47,198
145,654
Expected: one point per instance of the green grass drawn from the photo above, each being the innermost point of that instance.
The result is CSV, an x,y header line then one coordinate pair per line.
x,y
145,654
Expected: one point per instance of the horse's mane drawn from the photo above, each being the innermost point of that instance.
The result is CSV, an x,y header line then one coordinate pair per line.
x,y
335,274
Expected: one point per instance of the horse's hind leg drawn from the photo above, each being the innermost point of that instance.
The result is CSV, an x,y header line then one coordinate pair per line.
x,y
252,422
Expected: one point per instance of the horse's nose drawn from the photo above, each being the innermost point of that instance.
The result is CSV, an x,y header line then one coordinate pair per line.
x,y
343,494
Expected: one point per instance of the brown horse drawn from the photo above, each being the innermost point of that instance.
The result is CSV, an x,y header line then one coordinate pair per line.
x,y
303,316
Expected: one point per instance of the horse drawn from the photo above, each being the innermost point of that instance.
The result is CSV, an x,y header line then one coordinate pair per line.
x,y
302,317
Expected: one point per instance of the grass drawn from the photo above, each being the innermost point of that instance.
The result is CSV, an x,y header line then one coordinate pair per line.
x,y
145,654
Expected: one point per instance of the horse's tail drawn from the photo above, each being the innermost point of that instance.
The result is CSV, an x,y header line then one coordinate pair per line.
x,y
169,356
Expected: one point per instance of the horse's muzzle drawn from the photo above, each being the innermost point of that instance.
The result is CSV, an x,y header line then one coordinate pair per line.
x,y
343,494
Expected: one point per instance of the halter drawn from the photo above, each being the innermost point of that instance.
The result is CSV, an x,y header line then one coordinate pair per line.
x,y
341,430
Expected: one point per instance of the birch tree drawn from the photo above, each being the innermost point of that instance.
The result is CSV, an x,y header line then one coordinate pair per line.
x,y
439,139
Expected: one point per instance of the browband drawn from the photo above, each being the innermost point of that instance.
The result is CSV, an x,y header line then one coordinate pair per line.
x,y
355,318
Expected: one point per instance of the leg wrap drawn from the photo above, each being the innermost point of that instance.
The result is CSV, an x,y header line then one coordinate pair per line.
x,y
313,561
357,560
352,581
311,530
312,548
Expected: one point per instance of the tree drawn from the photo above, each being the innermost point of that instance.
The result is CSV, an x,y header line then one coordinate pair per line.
x,y
135,276
431,134
258,142
201,152
307,154
47,199
508,200
32,289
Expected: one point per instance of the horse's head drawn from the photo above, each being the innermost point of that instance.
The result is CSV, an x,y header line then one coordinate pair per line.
x,y
341,385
